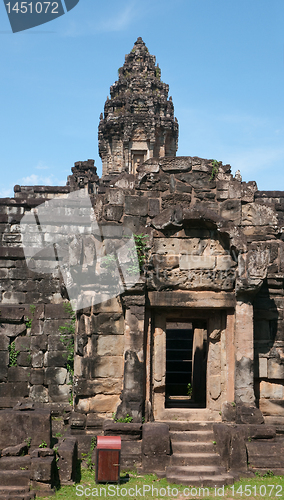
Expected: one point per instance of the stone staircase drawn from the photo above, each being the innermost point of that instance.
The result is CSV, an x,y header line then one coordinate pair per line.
x,y
15,478
194,461
14,483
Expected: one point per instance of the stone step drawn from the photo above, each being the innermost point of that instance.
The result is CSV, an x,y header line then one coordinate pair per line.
x,y
192,436
14,490
192,447
218,480
195,459
18,496
14,478
277,471
184,425
195,470
15,463
276,420
190,415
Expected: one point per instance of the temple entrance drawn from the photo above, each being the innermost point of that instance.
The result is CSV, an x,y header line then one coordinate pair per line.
x,y
190,345
186,360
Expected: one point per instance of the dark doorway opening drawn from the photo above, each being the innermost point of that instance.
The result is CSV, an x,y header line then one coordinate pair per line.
x,y
186,360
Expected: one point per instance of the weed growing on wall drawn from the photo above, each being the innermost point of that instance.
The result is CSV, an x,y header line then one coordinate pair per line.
x,y
109,263
67,338
30,320
158,73
89,456
28,441
142,253
43,444
125,420
189,389
13,354
215,169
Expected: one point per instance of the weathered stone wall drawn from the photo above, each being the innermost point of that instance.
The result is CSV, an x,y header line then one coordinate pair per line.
x,y
268,313
206,232
99,353
31,311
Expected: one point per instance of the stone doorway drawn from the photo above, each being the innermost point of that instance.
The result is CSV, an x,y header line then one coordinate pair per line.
x,y
186,362
212,318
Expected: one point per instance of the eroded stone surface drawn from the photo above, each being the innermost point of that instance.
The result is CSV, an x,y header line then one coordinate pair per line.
x,y
214,245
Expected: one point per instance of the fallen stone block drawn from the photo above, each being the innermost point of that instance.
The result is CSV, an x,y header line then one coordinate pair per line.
x,y
261,432
127,431
156,447
67,463
265,454
15,451
16,426
43,469
42,489
248,415
42,452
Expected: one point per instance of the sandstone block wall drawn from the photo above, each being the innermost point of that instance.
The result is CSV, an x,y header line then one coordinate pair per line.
x,y
31,312
205,232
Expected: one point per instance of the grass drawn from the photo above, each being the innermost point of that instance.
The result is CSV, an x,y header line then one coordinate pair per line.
x,y
135,486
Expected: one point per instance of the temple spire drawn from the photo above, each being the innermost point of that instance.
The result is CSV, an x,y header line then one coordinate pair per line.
x,y
138,121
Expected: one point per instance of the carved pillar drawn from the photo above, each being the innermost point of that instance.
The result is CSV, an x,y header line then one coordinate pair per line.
x,y
199,360
244,391
133,394
230,356
214,365
159,366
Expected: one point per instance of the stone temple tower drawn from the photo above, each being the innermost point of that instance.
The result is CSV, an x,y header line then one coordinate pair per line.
x,y
138,121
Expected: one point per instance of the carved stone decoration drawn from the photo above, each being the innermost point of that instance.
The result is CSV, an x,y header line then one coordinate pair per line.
x,y
138,121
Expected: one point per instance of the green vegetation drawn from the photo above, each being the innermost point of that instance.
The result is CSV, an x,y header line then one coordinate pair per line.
x,y
43,444
158,72
28,441
189,389
109,263
269,473
67,338
215,169
30,320
258,487
13,354
89,461
141,252
29,356
125,420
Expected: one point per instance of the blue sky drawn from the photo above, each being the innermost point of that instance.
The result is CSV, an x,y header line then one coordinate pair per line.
x,y
223,60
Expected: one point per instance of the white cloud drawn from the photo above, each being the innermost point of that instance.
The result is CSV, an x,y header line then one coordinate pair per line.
x,y
119,21
256,159
42,166
38,180
6,192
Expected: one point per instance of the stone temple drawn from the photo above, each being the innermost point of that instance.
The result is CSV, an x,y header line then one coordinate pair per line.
x,y
196,340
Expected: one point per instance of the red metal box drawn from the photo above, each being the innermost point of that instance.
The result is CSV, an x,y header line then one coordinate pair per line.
x,y
108,459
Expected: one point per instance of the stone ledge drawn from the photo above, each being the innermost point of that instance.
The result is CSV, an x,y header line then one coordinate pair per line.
x,y
199,299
